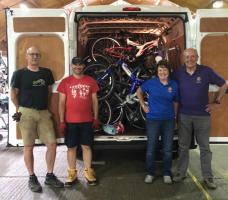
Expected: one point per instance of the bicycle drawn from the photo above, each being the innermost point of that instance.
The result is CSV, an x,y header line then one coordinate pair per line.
x,y
122,88
108,77
111,48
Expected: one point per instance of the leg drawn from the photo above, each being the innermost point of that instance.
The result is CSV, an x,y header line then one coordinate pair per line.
x,y
71,141
28,126
46,134
72,157
29,159
184,141
202,131
167,130
86,139
50,157
87,156
152,129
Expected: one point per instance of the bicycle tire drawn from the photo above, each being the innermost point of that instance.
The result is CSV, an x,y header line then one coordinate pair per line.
x,y
106,85
99,46
116,107
99,58
134,116
105,112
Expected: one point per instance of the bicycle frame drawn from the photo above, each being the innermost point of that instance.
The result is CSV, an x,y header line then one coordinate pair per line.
x,y
113,51
135,81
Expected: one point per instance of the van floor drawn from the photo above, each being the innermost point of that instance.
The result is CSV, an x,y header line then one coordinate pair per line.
x,y
120,174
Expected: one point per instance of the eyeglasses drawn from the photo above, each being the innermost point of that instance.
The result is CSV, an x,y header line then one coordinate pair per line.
x,y
38,55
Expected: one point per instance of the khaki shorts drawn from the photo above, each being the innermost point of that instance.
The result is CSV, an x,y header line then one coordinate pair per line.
x,y
36,124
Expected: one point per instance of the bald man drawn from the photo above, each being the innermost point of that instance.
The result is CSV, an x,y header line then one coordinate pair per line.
x,y
194,80
31,88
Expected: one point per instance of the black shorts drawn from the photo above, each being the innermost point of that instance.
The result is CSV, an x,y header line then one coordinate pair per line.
x,y
79,134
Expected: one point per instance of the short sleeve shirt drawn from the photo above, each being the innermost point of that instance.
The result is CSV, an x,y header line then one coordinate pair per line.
x,y
78,98
161,98
194,89
33,87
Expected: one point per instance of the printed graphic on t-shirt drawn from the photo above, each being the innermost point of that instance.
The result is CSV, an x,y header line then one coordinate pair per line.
x,y
80,91
38,83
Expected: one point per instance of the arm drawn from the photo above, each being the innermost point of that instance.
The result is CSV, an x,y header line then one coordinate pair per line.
x,y
62,102
176,108
222,92
95,105
139,94
49,95
14,97
212,106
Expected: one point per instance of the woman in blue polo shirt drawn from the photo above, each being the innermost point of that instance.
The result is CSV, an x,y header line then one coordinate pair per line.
x,y
160,118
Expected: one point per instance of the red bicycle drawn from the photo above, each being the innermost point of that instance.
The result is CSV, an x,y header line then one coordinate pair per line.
x,y
111,48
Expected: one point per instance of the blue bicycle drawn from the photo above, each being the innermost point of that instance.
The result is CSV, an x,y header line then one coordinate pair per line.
x,y
118,83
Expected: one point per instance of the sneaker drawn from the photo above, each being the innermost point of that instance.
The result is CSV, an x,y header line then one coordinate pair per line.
x,y
34,184
178,178
148,179
90,176
209,182
167,180
52,180
72,177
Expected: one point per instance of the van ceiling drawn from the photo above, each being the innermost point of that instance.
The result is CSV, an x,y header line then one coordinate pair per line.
x,y
90,28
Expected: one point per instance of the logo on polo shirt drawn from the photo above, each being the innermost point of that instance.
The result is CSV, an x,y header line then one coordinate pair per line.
x,y
198,80
170,89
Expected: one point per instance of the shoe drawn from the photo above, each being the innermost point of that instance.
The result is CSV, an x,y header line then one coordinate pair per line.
x,y
52,180
90,176
72,177
34,184
167,180
148,179
178,178
209,182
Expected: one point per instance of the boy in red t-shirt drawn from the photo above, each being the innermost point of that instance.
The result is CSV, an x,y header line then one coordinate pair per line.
x,y
78,112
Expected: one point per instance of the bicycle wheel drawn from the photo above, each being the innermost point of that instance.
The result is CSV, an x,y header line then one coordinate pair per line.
x,y
116,107
104,78
99,58
134,115
101,44
105,112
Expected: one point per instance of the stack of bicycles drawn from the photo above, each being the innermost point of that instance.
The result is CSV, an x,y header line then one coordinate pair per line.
x,y
119,71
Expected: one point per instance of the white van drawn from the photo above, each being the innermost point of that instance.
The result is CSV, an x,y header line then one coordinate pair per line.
x,y
61,36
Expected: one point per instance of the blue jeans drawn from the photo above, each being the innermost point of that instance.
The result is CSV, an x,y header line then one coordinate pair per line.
x,y
154,129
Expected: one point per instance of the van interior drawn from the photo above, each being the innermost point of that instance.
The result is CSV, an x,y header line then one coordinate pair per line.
x,y
168,30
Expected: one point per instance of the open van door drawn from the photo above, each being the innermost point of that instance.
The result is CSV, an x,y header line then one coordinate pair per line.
x,y
212,45
48,30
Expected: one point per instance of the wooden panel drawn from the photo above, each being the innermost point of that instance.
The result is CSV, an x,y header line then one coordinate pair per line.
x,y
214,54
214,51
214,24
52,52
219,119
39,24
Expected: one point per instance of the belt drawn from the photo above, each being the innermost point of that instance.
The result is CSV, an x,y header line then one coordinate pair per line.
x,y
35,108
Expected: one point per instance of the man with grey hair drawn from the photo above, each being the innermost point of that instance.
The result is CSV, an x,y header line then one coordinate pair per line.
x,y
194,80
30,91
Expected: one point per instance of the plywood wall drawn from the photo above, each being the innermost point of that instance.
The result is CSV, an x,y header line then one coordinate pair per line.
x,y
214,53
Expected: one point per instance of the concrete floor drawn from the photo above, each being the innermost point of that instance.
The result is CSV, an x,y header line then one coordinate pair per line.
x,y
120,176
